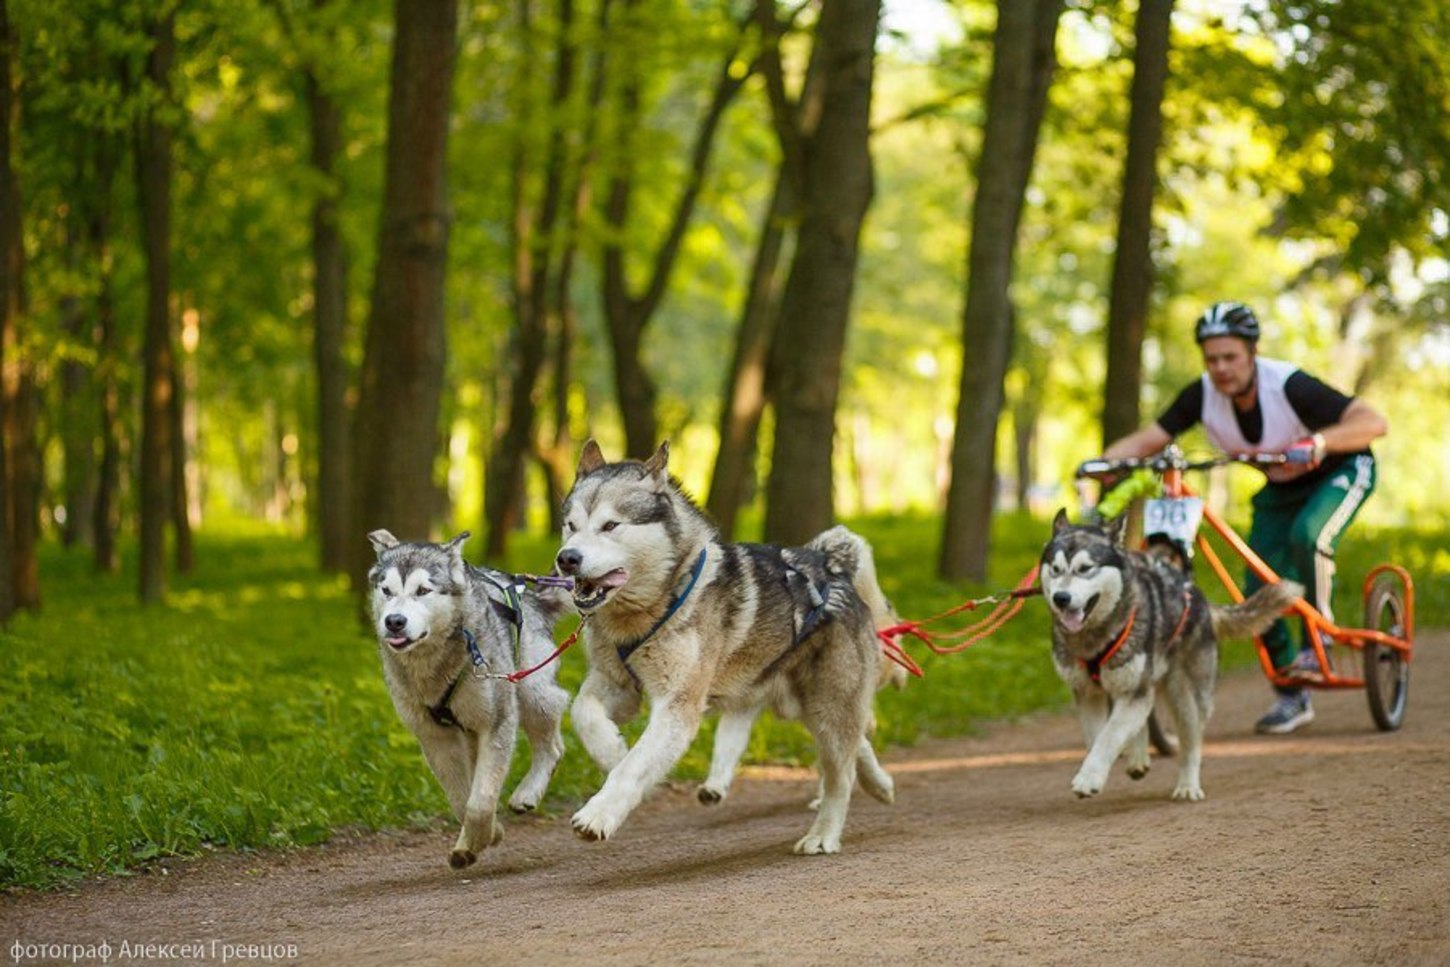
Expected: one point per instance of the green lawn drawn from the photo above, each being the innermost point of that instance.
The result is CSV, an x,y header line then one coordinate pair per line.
x,y
250,711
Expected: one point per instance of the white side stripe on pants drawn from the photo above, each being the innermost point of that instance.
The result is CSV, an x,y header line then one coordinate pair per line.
x,y
1329,533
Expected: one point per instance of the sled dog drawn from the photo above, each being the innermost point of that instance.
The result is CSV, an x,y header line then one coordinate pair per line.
x,y
1124,626
442,624
732,732
676,615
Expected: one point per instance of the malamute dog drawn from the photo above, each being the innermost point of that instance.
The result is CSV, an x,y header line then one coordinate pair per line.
x,y
690,622
1124,626
441,624
732,732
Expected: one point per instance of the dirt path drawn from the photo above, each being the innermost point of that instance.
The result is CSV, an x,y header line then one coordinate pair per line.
x,y
1328,847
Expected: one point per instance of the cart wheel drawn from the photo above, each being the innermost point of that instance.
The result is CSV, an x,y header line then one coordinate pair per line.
x,y
1161,734
1386,673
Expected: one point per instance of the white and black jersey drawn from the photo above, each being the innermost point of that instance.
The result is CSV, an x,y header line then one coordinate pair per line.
x,y
1289,406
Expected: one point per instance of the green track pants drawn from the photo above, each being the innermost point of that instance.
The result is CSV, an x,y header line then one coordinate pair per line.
x,y
1296,531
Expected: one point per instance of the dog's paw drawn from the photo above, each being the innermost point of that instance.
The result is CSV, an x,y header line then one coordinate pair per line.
x,y
813,844
461,859
1085,786
593,821
522,805
709,795
1188,792
1137,770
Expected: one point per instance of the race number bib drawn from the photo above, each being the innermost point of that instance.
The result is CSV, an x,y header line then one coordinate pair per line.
x,y
1178,518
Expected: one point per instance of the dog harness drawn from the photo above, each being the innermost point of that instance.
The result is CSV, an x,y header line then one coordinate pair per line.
x,y
1095,664
626,650
440,711
817,593
512,612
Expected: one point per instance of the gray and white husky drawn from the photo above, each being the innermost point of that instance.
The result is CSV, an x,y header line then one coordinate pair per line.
x,y
732,732
441,625
678,616
1125,626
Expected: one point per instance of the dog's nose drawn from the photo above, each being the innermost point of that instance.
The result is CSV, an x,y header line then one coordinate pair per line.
x,y
396,623
1062,599
569,560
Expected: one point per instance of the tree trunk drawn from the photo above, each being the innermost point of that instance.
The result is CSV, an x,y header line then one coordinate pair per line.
x,y
1133,266
815,308
627,314
77,404
183,432
12,268
108,480
743,401
153,176
329,286
1023,60
534,247
403,361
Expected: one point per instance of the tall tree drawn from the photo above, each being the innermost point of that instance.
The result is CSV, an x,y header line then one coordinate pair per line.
x,y
1133,265
747,385
403,361
815,308
743,402
329,290
105,148
536,231
1023,60
12,267
153,181
628,313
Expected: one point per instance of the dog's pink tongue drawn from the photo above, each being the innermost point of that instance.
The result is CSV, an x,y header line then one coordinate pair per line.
x,y
614,578
1072,620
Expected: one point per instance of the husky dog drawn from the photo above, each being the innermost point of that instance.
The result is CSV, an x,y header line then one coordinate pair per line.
x,y
690,622
732,733
441,622
1125,625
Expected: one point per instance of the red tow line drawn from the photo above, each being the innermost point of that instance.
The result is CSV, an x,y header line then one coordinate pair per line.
x,y
1007,605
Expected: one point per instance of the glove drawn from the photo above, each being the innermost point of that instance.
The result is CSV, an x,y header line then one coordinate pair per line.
x,y
1309,451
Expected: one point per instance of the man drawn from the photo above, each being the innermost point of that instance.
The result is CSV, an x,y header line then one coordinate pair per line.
x,y
1248,403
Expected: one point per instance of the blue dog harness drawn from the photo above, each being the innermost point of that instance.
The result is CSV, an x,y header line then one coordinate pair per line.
x,y
626,650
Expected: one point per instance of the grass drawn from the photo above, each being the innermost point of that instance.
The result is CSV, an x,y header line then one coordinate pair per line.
x,y
250,712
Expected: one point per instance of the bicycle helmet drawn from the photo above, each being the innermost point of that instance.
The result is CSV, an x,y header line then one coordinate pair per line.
x,y
1227,319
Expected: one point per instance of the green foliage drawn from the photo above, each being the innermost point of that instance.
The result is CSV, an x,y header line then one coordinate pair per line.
x,y
250,711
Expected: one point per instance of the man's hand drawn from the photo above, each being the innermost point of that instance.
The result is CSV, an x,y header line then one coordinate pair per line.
x,y
1309,451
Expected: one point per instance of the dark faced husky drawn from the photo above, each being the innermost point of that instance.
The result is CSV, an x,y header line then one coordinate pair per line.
x,y
1125,626
690,622
442,625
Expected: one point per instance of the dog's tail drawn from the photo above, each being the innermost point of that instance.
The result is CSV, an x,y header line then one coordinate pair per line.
x,y
1254,615
848,553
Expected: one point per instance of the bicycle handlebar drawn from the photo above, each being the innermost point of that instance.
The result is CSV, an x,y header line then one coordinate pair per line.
x,y
1169,460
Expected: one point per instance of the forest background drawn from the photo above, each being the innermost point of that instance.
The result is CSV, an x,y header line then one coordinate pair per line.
x,y
285,271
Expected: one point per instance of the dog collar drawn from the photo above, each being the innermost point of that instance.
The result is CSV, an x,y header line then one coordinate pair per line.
x,y
1094,665
626,650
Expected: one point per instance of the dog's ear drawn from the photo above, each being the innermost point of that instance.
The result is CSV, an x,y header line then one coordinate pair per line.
x,y
657,465
1117,529
382,540
1060,522
457,570
591,458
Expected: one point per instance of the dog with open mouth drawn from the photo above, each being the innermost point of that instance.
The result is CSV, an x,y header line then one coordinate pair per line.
x,y
1126,627
693,623
445,628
